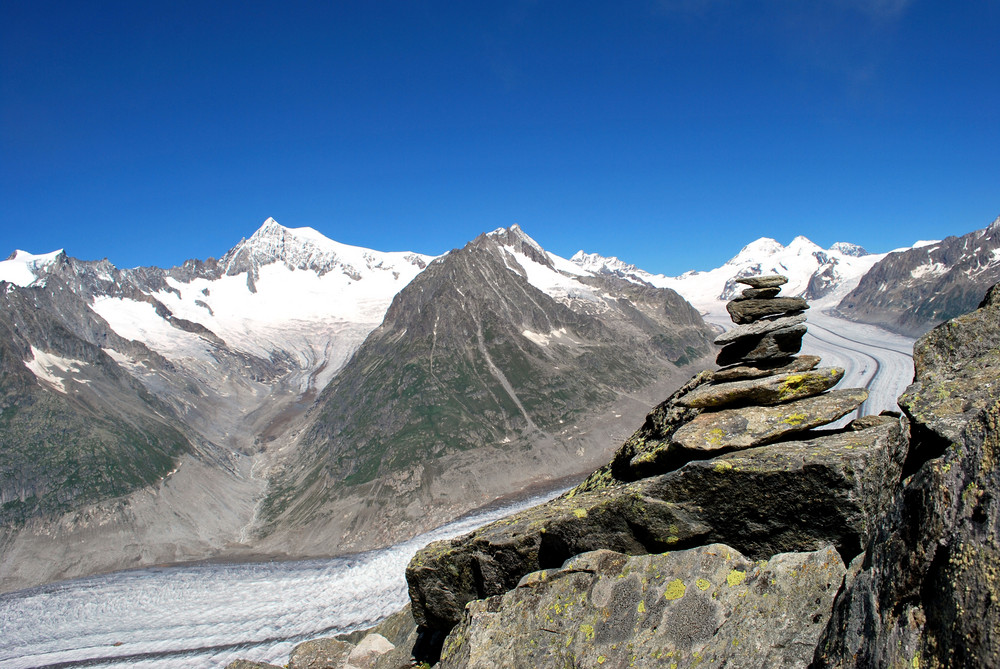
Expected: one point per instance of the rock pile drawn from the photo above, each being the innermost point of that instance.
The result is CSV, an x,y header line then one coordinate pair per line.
x,y
765,392
768,327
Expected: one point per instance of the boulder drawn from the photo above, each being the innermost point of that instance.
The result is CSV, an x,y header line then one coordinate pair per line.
x,y
603,609
768,390
758,328
368,651
759,368
752,426
320,654
926,591
768,281
748,311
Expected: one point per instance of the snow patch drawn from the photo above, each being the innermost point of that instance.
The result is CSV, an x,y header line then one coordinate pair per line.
x,y
53,370
928,270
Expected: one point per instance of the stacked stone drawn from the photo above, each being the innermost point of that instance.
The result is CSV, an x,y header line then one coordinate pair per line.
x,y
764,390
768,327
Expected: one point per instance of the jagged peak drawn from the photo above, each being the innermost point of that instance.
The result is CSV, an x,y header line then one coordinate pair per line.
x,y
517,240
802,245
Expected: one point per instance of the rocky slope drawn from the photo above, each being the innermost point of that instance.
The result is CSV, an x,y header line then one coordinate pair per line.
x,y
912,290
758,538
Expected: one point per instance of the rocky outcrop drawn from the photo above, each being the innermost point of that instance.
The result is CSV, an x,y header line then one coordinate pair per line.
x,y
773,487
925,591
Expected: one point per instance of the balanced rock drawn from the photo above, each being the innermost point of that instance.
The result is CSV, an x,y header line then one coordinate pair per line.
x,y
759,328
768,281
759,292
777,344
760,368
605,609
752,426
768,390
748,311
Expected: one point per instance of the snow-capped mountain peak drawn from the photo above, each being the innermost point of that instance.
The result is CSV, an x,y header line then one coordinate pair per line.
x,y
308,249
764,247
23,269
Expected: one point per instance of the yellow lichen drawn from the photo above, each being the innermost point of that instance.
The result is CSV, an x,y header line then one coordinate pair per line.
x,y
675,589
580,513
703,584
735,577
642,607
795,419
715,436
722,466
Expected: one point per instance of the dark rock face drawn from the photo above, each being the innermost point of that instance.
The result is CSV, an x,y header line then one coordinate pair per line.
x,y
709,604
925,591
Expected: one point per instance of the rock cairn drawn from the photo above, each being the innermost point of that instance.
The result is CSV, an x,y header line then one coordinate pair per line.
x,y
764,391
768,327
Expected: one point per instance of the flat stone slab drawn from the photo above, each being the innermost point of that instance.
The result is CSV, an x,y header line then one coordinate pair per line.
x,y
753,426
768,281
758,369
708,605
782,343
748,311
764,391
759,292
758,328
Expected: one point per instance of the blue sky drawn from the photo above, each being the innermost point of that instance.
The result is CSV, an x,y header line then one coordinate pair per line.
x,y
667,132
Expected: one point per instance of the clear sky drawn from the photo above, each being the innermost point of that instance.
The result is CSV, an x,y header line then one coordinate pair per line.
x,y
667,132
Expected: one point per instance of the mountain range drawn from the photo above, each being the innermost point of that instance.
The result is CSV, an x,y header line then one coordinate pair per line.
x,y
303,397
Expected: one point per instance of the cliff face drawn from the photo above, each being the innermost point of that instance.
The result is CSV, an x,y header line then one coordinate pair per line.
x,y
708,550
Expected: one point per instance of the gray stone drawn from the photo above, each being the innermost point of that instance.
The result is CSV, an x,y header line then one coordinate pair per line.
x,y
748,311
768,281
759,292
779,344
603,609
247,664
760,368
752,426
758,328
320,654
768,390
